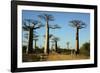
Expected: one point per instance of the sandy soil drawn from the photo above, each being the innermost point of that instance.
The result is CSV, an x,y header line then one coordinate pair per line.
x,y
56,56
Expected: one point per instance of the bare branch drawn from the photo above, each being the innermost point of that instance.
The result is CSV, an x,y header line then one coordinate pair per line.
x,y
34,22
77,24
50,35
54,26
46,17
25,28
42,17
35,36
55,38
35,39
83,25
39,26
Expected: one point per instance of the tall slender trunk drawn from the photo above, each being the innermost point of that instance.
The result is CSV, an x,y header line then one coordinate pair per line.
x,y
27,45
77,41
67,46
35,44
46,50
56,46
30,42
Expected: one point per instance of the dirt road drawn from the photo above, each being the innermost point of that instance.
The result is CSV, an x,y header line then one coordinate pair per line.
x,y
56,56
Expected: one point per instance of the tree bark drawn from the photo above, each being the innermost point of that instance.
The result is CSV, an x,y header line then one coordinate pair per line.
x,y
56,46
46,50
77,41
35,43
67,45
30,43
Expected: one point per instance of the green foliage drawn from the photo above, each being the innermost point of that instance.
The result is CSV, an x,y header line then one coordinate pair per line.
x,y
85,49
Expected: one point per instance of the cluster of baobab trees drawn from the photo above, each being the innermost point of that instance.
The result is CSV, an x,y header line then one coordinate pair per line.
x,y
32,25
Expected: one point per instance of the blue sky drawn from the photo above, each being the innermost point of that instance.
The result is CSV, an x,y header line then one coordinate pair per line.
x,y
66,33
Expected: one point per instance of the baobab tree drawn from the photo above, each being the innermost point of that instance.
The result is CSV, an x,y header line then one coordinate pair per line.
x,y
78,24
67,45
35,41
26,35
31,25
50,36
55,40
47,18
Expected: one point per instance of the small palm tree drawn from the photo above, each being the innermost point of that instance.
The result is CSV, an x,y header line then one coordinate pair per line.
x,y
78,25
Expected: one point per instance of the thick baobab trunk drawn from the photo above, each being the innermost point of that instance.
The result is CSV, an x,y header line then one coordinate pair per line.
x,y
46,49
30,43
77,41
